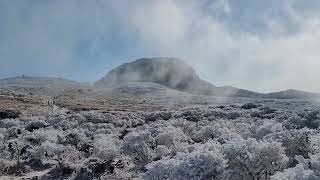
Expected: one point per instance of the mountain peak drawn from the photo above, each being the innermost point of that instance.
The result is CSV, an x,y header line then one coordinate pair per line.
x,y
171,72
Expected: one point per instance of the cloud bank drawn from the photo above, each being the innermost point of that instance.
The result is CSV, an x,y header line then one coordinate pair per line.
x,y
258,45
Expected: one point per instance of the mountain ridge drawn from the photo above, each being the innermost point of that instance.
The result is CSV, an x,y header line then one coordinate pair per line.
x,y
134,72
172,73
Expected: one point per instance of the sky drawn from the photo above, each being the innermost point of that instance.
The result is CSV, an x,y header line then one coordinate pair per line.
x,y
251,44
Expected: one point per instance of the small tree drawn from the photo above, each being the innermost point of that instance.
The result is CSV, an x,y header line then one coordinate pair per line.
x,y
17,148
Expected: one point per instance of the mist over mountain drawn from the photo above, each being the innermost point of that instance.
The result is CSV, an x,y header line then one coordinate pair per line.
x,y
171,72
176,74
145,75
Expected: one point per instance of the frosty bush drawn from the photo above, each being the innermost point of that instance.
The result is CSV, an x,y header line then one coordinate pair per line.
x,y
39,136
171,137
204,133
46,151
66,124
249,106
312,119
5,165
105,148
251,159
296,173
197,162
296,143
305,170
160,115
8,123
268,128
33,125
139,146
249,141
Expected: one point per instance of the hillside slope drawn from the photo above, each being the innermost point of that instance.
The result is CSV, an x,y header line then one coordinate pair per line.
x,y
39,85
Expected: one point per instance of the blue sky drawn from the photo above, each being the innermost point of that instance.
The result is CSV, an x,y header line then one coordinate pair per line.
x,y
253,44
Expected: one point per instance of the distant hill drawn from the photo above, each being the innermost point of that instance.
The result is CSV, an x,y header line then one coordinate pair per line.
x,y
292,94
39,85
170,72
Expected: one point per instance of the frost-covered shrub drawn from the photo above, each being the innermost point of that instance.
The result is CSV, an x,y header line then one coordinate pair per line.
x,y
8,123
5,153
105,148
233,115
9,114
132,123
251,159
139,146
200,161
313,163
33,125
66,124
95,117
204,133
314,143
305,170
95,169
63,155
193,115
216,114
159,115
14,132
56,119
296,122
186,126
171,137
74,138
68,155
249,106
41,135
312,119
264,113
296,173
296,142
104,131
125,119
77,117
46,151
194,142
5,165
162,151
96,127
118,119
309,118
268,128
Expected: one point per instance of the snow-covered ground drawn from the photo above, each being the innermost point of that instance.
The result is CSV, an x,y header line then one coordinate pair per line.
x,y
236,138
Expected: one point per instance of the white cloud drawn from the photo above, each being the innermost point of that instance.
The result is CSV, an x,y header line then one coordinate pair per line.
x,y
260,45
264,62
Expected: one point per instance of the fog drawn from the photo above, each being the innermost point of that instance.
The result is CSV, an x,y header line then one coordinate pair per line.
x,y
252,45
